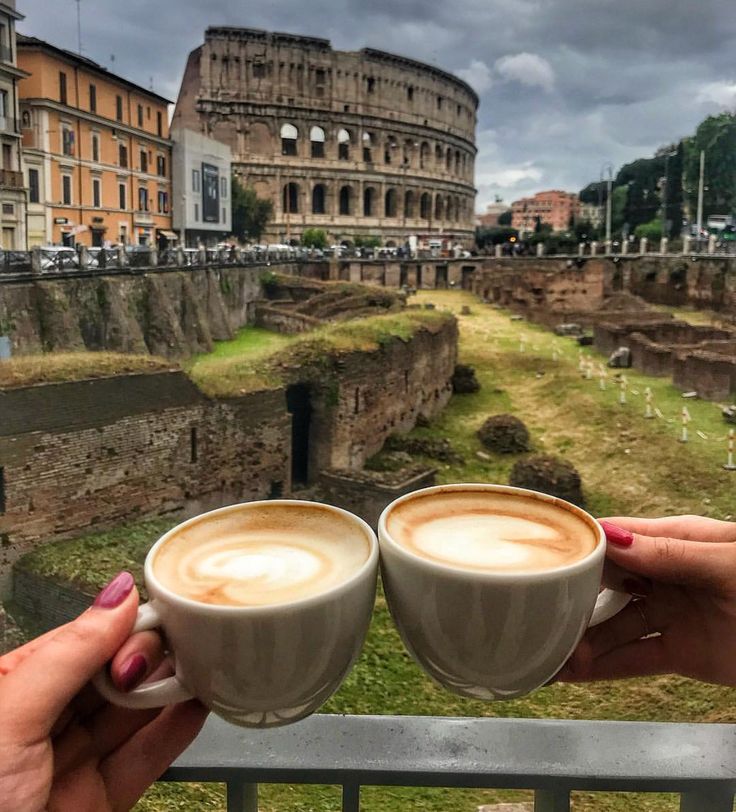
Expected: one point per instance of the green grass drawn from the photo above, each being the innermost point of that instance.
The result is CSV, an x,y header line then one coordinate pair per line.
x,y
251,368
628,465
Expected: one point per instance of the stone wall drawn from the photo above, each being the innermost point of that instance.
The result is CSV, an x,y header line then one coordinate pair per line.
x,y
79,455
710,374
281,320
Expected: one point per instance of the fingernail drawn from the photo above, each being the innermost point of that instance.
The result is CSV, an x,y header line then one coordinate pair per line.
x,y
638,587
115,592
131,672
617,535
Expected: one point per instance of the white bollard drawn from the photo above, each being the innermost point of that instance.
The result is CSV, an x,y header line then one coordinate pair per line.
x,y
685,420
643,245
593,248
624,247
729,466
623,383
686,240
498,251
648,412
712,244
608,244
581,249
663,244
602,375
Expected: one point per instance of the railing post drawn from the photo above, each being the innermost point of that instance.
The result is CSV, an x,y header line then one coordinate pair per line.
x,y
242,797
714,800
351,798
551,800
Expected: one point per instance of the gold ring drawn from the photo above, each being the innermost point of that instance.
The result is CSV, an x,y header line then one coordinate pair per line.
x,y
640,607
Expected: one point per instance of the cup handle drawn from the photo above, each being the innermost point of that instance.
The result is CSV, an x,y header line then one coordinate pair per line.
x,y
166,691
609,603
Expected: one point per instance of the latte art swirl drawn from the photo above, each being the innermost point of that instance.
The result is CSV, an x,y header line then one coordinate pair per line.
x,y
260,558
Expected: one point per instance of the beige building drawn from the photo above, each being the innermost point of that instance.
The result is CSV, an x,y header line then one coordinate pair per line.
x,y
357,143
12,187
554,208
96,151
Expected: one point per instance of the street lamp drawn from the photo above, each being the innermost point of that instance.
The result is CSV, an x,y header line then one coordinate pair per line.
x,y
665,191
608,167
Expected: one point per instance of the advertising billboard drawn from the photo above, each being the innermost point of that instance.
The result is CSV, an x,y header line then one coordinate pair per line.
x,y
210,193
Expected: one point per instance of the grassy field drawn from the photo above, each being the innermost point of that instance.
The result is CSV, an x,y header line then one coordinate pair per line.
x,y
628,464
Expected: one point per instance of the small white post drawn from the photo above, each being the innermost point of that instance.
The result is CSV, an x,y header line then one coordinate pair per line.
x,y
729,466
648,412
593,248
498,251
555,352
540,249
624,247
581,361
581,249
589,370
608,245
711,244
602,375
685,420
686,240
623,383
643,245
663,244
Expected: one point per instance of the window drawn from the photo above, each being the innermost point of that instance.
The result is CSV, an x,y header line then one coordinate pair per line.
x,y
2,490
259,70
62,87
161,166
291,198
122,196
410,93
163,202
142,198
289,135
96,193
144,160
223,188
159,123
67,141
195,181
224,215
196,212
66,190
9,209
123,155
95,147
317,140
343,145
367,147
370,84
368,196
3,106
140,115
439,102
318,199
33,186
119,108
345,200
93,99
390,203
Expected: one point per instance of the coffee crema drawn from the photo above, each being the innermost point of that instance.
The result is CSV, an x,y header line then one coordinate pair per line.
x,y
271,554
490,532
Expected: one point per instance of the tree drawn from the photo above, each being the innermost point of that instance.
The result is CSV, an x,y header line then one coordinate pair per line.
x,y
494,235
504,219
314,238
251,214
652,230
717,137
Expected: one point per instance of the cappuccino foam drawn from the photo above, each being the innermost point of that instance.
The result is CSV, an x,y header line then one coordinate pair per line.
x,y
275,553
490,532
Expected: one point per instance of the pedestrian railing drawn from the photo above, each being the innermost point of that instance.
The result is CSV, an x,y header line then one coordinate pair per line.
x,y
551,757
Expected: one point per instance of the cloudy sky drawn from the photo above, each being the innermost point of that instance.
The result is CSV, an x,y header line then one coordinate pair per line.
x,y
566,86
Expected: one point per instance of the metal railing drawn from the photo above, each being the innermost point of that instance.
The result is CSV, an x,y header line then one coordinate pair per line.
x,y
551,757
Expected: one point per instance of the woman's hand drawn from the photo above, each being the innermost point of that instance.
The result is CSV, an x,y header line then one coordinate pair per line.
x,y
682,571
62,747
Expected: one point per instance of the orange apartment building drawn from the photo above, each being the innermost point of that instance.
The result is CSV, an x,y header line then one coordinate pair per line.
x,y
96,151
554,208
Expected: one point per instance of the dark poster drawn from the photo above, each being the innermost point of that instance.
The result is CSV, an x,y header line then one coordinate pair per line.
x,y
210,194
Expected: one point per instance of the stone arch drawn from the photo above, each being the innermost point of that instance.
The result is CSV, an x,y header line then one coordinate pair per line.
x,y
424,155
439,208
425,206
389,207
260,141
457,161
343,144
317,141
369,201
367,140
319,199
290,198
438,156
289,139
409,203
448,159
346,200
390,148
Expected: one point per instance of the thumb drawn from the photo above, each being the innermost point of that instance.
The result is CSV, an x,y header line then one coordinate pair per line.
x,y
670,560
34,694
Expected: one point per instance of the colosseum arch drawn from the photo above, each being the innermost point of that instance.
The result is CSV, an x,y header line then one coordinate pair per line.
x,y
319,199
343,144
389,208
389,151
439,158
425,206
369,201
457,162
289,139
346,201
290,198
448,160
260,141
368,141
439,208
317,141
408,203
424,155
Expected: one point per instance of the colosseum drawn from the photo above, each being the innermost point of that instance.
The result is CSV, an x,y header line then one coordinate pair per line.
x,y
357,143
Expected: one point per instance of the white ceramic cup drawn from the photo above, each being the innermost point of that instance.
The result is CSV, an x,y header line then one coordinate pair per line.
x,y
493,635
256,666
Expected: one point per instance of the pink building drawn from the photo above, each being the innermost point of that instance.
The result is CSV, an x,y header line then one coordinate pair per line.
x,y
554,208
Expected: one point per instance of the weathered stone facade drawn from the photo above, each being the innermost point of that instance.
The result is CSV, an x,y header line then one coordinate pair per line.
x,y
357,143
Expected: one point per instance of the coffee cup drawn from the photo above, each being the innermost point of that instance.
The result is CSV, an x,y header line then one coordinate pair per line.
x,y
492,587
264,607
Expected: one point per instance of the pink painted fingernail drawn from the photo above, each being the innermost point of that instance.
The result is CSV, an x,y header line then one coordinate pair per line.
x,y
617,535
131,672
115,592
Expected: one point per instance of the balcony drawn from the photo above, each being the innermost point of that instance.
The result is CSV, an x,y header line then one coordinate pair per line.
x,y
551,757
10,179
